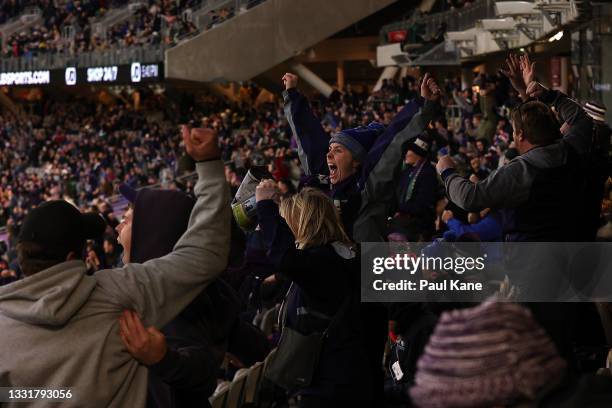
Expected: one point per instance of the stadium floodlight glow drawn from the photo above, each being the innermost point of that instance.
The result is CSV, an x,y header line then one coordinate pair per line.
x,y
556,37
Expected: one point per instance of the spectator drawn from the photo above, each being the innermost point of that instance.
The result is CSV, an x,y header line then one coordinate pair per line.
x,y
323,269
418,185
78,318
519,184
485,225
352,154
510,346
183,358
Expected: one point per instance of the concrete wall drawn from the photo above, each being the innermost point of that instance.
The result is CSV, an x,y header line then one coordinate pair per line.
x,y
263,37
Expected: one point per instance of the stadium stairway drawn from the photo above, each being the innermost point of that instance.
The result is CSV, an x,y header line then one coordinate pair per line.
x,y
262,37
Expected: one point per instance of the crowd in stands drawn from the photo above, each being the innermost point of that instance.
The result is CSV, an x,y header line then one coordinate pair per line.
x,y
391,165
155,22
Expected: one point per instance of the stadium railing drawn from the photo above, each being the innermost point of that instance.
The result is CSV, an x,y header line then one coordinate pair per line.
x,y
455,20
28,18
200,16
146,54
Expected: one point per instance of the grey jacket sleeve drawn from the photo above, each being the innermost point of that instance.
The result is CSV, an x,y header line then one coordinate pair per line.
x,y
507,187
580,134
161,288
378,194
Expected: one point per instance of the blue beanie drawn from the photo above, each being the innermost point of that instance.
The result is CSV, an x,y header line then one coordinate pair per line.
x,y
358,140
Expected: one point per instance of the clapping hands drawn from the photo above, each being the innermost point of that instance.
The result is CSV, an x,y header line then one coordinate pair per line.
x,y
520,72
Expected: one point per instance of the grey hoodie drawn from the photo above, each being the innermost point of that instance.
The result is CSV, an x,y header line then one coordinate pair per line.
x,y
59,327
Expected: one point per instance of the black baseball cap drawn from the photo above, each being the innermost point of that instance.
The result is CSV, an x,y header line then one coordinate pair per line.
x,y
59,227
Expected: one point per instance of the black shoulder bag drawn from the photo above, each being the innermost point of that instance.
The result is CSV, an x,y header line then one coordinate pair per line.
x,y
296,357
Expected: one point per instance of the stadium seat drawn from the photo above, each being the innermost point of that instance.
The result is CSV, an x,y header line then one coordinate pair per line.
x,y
253,381
236,389
219,398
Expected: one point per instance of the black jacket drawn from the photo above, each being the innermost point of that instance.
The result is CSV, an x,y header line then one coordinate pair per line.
x,y
198,337
326,283
423,199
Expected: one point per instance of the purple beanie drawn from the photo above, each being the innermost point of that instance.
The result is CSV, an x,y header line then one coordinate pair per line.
x,y
358,140
492,354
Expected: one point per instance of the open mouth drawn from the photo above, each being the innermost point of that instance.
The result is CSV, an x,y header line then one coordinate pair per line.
x,y
333,170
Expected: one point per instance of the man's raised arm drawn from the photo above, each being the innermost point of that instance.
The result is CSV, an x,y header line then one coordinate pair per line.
x,y
160,288
378,194
313,142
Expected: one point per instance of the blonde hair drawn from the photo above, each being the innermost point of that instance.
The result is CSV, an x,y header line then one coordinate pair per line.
x,y
313,219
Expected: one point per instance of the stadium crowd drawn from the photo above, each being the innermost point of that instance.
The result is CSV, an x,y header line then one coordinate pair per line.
x,y
324,174
155,22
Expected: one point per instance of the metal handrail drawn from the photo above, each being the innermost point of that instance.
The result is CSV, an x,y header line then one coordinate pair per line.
x,y
116,56
455,20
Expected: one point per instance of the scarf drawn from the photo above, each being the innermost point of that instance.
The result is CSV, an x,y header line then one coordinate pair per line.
x,y
412,179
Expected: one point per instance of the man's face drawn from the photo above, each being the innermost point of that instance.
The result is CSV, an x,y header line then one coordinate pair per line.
x,y
519,139
475,163
108,247
411,158
340,162
124,229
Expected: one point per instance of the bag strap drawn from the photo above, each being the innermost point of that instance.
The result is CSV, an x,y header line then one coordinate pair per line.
x,y
343,307
343,251
282,314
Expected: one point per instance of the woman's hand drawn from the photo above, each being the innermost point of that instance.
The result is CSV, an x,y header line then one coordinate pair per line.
x,y
267,190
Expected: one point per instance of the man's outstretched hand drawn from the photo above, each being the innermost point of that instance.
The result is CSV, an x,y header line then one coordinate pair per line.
x,y
527,69
430,89
515,75
290,80
520,72
201,143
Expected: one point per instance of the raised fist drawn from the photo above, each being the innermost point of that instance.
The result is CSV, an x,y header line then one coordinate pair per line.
x,y
266,190
290,80
201,143
429,88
